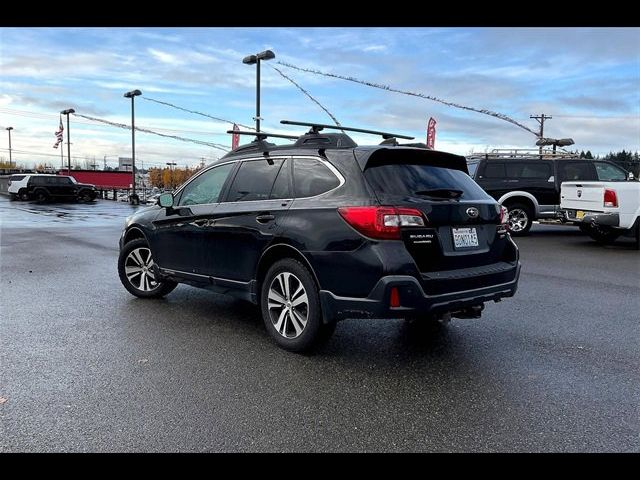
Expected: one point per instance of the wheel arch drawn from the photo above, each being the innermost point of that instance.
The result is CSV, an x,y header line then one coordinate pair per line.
x,y
133,233
277,252
522,197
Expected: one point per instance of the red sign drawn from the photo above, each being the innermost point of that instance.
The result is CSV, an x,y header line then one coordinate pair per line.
x,y
235,138
431,133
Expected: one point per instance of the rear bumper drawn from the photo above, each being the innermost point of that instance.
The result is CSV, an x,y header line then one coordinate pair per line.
x,y
497,281
599,218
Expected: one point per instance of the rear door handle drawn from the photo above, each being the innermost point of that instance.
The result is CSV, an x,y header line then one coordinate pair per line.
x,y
264,218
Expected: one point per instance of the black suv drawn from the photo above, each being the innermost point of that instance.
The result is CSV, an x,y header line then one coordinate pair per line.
x,y
43,187
529,185
322,230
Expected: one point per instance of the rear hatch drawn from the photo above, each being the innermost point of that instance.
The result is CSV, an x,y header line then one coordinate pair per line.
x,y
585,196
462,222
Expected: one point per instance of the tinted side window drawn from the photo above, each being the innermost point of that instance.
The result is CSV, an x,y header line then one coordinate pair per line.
x,y
254,181
494,170
576,171
533,170
281,187
311,178
36,181
16,178
609,173
472,167
206,188
64,181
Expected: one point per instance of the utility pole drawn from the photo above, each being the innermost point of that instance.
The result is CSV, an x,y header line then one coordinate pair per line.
x,y
540,119
67,112
9,130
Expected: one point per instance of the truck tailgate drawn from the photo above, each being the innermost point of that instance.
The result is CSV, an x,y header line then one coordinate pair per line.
x,y
582,196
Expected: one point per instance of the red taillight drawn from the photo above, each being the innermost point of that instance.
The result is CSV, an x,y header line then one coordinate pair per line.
x,y
394,299
381,222
610,198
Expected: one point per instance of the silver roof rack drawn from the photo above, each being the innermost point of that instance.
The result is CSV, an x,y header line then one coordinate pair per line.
x,y
520,153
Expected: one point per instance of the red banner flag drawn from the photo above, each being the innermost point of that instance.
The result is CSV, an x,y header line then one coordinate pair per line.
x,y
431,133
235,138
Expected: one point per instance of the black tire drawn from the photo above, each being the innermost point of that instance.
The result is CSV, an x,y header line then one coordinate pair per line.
x,y
85,196
637,245
522,219
603,235
23,195
284,323
125,259
41,196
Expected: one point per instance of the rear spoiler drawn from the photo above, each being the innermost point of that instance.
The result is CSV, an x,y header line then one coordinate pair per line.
x,y
388,156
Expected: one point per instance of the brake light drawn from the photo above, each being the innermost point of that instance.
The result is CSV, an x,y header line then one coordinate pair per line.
x,y
381,223
610,198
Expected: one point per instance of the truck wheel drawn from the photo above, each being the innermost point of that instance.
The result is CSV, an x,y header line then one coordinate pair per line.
x,y
520,219
85,196
602,234
23,195
41,196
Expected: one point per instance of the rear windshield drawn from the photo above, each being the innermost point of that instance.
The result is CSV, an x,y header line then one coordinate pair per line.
x,y
417,180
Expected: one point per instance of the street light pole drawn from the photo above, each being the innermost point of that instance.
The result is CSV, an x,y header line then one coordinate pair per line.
x,y
67,112
132,95
9,130
255,59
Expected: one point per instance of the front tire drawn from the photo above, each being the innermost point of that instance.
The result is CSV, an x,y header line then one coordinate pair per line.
x,y
290,307
520,219
135,269
41,196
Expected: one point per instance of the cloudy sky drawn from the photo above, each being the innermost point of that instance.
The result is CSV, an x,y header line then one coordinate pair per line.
x,y
588,79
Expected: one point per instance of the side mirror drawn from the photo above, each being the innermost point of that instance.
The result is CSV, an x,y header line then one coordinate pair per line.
x,y
166,200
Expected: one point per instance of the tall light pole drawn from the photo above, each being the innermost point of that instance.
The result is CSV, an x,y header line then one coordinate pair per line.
x,y
132,95
9,130
171,164
250,60
67,112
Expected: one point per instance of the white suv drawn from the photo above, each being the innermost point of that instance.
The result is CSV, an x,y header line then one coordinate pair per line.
x,y
17,182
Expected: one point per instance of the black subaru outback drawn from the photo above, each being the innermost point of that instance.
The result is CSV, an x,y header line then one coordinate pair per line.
x,y
321,230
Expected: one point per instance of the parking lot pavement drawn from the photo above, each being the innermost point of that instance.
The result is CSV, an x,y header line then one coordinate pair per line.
x,y
87,367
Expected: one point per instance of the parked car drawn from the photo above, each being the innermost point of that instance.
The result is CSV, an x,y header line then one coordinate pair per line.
x,y
322,230
43,187
529,185
603,210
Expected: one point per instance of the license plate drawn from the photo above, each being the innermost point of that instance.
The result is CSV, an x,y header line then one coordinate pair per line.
x,y
465,237
579,214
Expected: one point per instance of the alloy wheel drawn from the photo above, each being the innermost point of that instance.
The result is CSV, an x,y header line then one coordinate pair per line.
x,y
288,305
518,220
138,267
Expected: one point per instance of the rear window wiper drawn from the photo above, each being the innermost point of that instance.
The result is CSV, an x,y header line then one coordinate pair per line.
x,y
440,193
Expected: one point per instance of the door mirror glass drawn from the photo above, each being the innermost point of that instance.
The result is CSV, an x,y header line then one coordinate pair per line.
x,y
166,200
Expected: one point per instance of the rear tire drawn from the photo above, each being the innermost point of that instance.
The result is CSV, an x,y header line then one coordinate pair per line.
x,y
136,273
290,306
41,196
23,195
603,235
520,219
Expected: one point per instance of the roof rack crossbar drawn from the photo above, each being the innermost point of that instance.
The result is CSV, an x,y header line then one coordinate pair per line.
x,y
263,135
317,127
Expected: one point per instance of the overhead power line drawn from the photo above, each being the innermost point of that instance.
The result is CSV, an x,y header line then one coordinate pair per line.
x,y
195,112
335,120
491,113
175,137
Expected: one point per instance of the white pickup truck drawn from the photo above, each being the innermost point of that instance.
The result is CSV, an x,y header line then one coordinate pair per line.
x,y
604,210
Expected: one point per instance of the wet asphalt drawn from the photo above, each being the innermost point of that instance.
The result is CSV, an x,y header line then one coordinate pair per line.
x,y
85,366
